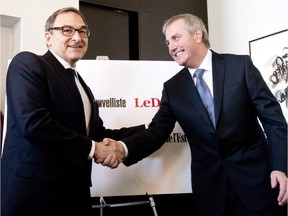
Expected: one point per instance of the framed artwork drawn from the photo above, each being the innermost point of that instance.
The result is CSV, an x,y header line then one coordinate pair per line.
x,y
270,56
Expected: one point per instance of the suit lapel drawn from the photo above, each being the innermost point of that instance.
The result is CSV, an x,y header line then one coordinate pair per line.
x,y
70,84
86,88
193,97
94,106
218,68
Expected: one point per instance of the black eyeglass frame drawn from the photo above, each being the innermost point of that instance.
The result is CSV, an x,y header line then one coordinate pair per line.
x,y
73,30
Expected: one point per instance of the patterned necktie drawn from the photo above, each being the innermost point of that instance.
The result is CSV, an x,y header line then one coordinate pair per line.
x,y
205,94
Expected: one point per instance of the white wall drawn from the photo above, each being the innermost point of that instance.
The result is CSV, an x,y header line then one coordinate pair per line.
x,y
22,28
233,23
33,14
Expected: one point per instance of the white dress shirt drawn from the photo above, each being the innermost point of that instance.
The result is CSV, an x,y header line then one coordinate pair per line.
x,y
207,66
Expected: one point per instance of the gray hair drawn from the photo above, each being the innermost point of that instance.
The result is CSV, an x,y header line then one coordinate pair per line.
x,y
192,23
50,21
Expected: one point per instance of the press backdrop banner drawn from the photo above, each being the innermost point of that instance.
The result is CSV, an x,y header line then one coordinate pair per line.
x,y
129,93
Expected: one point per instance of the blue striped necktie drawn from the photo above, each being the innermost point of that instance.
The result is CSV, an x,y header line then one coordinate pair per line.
x,y
205,94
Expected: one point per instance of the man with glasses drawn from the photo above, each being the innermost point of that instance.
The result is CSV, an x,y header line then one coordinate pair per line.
x,y
53,126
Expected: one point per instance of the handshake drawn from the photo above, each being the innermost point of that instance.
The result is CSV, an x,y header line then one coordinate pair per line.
x,y
109,153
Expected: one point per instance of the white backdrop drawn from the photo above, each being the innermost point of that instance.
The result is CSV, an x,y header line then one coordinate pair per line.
x,y
129,93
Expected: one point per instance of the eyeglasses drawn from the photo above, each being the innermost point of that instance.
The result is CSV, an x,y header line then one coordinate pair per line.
x,y
70,31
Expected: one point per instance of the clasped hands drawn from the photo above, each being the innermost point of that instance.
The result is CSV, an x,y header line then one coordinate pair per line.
x,y
109,153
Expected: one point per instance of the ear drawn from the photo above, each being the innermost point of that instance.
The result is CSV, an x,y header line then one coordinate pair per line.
x,y
47,38
198,34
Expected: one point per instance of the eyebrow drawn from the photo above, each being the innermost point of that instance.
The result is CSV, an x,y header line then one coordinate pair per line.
x,y
83,26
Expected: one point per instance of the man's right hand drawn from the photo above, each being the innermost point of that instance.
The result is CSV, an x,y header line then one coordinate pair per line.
x,y
109,153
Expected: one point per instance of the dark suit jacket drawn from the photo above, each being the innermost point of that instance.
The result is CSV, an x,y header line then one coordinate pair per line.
x,y
45,157
236,152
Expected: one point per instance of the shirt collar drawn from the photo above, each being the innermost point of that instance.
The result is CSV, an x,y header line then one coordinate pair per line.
x,y
62,61
206,63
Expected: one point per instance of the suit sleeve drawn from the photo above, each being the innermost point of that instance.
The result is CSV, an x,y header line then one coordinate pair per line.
x,y
34,113
270,115
143,144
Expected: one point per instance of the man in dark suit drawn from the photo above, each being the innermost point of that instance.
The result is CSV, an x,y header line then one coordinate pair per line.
x,y
53,127
236,168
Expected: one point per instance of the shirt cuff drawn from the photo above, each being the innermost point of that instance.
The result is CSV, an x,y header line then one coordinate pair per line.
x,y
125,149
90,156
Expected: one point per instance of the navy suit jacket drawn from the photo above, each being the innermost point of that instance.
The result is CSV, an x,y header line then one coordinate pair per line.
x,y
46,139
237,151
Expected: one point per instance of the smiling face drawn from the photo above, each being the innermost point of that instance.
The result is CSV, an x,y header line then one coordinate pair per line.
x,y
72,48
185,47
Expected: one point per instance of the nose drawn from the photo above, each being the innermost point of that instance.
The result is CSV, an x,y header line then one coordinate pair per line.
x,y
76,36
